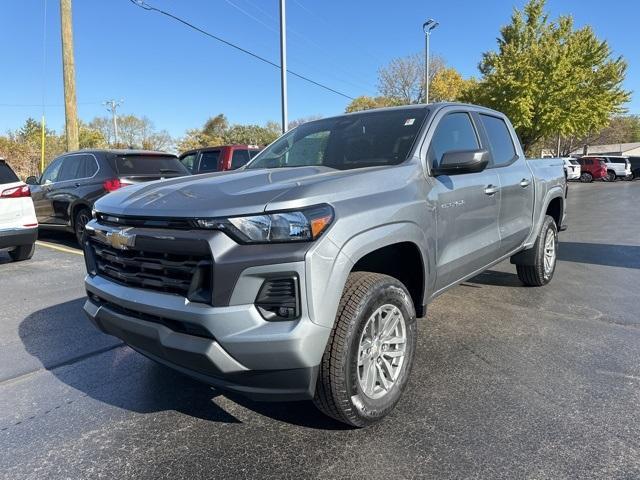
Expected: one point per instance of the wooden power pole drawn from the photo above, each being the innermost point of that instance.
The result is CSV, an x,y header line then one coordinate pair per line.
x,y
69,75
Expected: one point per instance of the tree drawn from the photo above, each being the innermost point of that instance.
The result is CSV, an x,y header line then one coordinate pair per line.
x,y
549,78
299,121
448,85
366,103
133,132
403,78
216,131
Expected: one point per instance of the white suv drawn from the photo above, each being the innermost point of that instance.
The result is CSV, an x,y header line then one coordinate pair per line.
x,y
571,168
18,223
617,167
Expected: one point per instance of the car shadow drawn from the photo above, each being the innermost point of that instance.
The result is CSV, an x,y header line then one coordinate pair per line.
x,y
610,255
64,239
66,344
495,278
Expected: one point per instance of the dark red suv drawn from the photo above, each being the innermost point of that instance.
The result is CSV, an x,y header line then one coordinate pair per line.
x,y
218,159
592,168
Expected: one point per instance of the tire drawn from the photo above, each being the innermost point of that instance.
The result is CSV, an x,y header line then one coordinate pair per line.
x,y
23,252
83,216
586,177
611,176
539,273
340,392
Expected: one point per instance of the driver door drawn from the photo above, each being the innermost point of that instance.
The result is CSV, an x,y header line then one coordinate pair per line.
x,y
41,193
466,205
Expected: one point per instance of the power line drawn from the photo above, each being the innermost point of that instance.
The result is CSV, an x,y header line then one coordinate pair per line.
x,y
142,4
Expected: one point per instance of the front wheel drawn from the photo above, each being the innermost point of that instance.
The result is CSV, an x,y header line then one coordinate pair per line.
x,y
368,358
545,256
82,218
586,177
611,176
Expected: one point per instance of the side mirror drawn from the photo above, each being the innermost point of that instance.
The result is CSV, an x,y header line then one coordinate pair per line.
x,y
31,180
456,162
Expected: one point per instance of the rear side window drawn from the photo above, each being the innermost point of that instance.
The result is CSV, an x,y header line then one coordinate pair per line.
x,y
454,132
209,161
6,174
500,140
149,165
239,159
75,167
253,153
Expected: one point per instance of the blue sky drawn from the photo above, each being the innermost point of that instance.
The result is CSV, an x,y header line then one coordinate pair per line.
x,y
178,77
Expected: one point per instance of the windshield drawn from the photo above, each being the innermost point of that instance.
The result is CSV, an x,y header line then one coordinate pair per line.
x,y
366,139
150,165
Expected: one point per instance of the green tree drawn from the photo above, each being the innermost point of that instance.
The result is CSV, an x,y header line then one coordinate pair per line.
x,y
366,103
448,86
550,78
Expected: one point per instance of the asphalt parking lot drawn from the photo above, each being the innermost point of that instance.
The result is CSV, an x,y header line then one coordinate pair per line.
x,y
509,382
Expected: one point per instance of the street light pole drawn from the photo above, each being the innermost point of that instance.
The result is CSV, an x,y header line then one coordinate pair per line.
x,y
427,27
283,65
112,106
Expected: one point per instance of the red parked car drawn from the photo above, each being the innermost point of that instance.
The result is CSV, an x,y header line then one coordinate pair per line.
x,y
592,168
218,159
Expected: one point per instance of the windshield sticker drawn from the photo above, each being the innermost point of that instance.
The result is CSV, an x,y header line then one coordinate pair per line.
x,y
409,121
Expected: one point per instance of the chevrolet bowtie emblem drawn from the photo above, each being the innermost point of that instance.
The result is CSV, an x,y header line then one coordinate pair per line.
x,y
121,239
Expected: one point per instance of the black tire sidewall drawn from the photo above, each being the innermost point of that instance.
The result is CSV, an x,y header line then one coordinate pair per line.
x,y
548,225
387,292
586,178
76,222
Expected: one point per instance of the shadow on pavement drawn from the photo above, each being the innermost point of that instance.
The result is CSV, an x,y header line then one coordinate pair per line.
x,y
496,278
102,367
65,239
627,256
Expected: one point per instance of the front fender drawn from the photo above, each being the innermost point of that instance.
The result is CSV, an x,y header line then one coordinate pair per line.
x,y
328,265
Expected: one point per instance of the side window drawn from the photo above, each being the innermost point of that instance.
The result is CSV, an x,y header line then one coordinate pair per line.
x,y
239,158
588,161
454,132
89,166
188,160
209,161
502,147
50,174
71,168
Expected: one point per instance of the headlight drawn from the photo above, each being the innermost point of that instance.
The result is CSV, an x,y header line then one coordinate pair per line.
x,y
293,226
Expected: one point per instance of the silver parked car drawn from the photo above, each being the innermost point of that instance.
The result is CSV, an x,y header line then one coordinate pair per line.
x,y
301,275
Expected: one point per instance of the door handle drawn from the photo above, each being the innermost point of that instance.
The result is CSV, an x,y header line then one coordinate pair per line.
x,y
77,184
491,190
524,183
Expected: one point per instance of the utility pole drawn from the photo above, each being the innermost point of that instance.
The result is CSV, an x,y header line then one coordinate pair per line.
x,y
283,65
427,27
112,106
69,76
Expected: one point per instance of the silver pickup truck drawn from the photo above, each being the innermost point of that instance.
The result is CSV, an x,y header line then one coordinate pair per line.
x,y
300,276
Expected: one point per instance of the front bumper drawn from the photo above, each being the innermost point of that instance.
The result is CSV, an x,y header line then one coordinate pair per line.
x,y
16,237
232,347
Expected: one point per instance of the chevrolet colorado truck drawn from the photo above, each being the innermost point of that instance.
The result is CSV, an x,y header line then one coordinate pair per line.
x,y
301,275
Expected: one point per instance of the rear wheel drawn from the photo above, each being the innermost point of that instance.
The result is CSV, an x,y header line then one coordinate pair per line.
x,y
586,177
545,256
367,361
23,252
83,216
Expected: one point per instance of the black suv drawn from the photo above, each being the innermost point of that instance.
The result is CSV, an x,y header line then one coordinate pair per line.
x,y
64,195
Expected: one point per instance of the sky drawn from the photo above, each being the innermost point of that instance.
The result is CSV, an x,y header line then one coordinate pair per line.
x,y
178,77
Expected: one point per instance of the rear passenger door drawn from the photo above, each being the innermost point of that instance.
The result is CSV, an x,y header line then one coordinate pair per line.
x,y
516,183
74,182
466,205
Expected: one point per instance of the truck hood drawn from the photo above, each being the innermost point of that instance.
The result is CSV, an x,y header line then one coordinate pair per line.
x,y
219,194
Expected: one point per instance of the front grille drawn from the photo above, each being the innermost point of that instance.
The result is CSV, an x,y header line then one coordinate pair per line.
x,y
146,222
185,274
